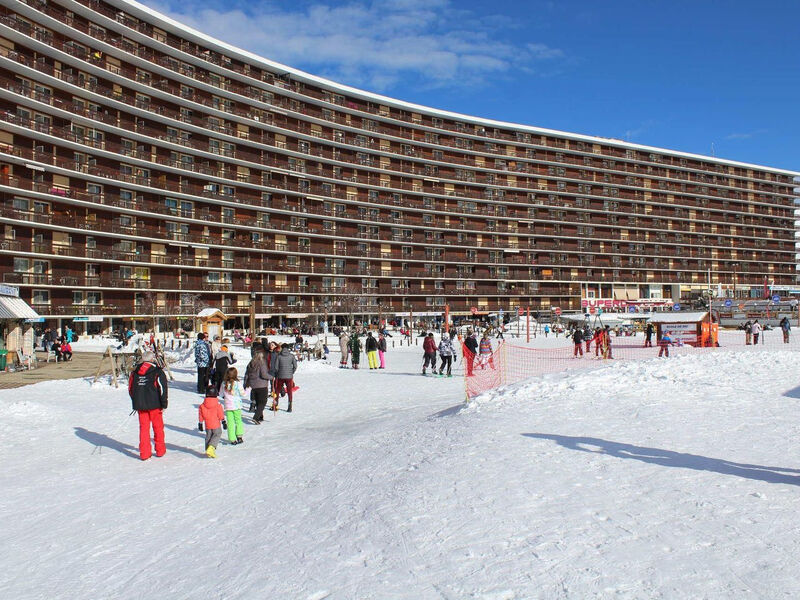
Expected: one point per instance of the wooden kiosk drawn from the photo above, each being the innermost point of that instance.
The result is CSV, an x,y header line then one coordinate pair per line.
x,y
211,322
690,328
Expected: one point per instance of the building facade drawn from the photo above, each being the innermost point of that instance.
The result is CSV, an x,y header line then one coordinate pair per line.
x,y
147,169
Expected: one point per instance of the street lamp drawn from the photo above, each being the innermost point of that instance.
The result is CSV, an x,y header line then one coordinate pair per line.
x,y
252,315
735,276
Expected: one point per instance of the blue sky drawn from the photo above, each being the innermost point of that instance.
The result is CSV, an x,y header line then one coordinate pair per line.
x,y
677,74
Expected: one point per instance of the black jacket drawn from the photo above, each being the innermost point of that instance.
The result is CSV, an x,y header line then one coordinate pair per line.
x,y
371,344
147,387
577,336
472,344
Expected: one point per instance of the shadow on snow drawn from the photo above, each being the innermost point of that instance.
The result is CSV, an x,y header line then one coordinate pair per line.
x,y
668,458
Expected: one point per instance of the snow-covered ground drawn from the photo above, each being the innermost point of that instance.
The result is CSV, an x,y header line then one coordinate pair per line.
x,y
649,479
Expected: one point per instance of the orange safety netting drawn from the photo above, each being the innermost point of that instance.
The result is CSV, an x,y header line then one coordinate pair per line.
x,y
510,362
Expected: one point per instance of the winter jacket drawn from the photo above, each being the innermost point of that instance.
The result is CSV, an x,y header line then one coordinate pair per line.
x,y
344,343
429,345
222,360
147,387
284,366
202,354
257,375
485,346
371,344
355,346
577,336
756,328
232,398
785,325
446,347
211,412
382,344
472,344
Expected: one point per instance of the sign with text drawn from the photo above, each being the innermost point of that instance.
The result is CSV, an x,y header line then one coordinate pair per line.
x,y
685,333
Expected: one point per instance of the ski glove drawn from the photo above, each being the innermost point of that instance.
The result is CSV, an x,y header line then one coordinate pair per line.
x,y
200,426
224,424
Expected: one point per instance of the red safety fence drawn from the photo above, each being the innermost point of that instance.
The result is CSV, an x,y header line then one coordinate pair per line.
x,y
511,362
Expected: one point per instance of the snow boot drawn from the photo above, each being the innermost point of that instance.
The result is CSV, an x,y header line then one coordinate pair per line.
x,y
239,440
210,452
290,407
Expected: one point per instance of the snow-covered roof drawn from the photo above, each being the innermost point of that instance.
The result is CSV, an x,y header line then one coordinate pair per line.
x,y
16,308
678,317
210,312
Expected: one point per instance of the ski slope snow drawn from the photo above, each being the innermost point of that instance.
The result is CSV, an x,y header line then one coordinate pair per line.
x,y
669,478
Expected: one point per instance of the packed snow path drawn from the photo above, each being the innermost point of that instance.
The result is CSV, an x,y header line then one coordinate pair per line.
x,y
672,478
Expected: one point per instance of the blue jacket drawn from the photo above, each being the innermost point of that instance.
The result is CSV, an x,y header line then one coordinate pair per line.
x,y
202,354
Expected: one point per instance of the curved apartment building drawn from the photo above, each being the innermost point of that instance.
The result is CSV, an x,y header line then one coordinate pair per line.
x,y
146,168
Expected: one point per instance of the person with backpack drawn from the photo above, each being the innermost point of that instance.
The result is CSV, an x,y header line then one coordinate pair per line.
x,y
148,390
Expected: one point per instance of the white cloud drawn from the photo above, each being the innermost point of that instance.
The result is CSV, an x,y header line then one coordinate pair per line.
x,y
745,136
378,44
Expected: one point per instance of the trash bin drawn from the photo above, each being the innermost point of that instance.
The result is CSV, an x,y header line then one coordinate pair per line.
x,y
3,358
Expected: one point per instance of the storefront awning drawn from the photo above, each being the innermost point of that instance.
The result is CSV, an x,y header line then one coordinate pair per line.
x,y
16,308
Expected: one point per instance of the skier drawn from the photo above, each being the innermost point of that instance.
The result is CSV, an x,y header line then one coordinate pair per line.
x,y
344,345
283,370
232,394
429,348
147,388
577,339
446,354
371,346
212,416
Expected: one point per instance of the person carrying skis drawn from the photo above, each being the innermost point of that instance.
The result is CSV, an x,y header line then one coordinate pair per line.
x,y
429,357
371,346
148,390
447,354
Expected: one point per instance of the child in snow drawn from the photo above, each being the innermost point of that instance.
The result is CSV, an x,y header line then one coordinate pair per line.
x,y
664,343
485,350
212,416
232,394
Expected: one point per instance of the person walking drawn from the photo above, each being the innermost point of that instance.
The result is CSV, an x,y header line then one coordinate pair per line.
x,y
748,333
485,350
344,346
446,353
202,358
429,357
222,360
284,366
786,328
148,390
577,339
471,345
371,346
68,334
257,378
211,418
664,343
232,394
382,350
756,329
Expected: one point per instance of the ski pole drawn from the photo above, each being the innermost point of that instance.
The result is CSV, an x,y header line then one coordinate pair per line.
x,y
116,431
